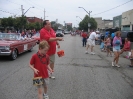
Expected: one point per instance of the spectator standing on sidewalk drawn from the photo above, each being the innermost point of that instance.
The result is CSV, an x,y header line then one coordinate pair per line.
x,y
108,42
116,48
126,46
39,63
130,37
48,34
84,40
91,42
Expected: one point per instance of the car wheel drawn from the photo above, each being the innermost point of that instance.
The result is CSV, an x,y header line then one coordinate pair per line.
x,y
31,49
14,54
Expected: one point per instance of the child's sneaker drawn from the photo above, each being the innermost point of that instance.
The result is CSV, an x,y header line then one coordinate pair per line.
x,y
45,96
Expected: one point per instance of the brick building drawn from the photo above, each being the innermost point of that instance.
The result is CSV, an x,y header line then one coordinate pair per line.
x,y
34,19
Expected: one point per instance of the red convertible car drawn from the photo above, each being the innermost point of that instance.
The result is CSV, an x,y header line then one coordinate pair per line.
x,y
37,37
12,44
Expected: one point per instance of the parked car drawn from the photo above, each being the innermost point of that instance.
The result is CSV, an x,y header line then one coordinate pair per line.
x,y
12,44
59,33
66,32
37,37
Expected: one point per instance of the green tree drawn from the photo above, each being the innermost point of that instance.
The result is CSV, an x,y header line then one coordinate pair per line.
x,y
37,26
54,25
31,26
4,22
83,25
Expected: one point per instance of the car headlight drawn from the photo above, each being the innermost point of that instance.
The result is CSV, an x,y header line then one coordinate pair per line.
x,y
7,47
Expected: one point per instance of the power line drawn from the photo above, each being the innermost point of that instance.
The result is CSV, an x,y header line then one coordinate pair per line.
x,y
32,4
13,2
7,12
113,8
35,4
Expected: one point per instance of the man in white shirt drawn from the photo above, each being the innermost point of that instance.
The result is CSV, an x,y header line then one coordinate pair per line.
x,y
91,42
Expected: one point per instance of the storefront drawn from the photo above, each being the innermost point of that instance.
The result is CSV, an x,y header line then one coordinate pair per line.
x,y
127,21
117,22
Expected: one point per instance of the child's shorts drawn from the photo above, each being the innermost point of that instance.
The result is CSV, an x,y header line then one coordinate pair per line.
x,y
116,50
45,83
108,46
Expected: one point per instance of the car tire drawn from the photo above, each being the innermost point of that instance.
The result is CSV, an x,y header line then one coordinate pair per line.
x,y
30,50
14,54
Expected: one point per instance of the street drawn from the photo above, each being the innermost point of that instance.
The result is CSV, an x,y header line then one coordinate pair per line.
x,y
78,75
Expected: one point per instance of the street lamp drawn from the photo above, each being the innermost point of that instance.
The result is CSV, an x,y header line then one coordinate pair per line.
x,y
79,17
89,17
86,11
28,10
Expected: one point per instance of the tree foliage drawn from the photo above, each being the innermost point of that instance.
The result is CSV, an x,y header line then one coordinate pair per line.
x,y
83,25
19,23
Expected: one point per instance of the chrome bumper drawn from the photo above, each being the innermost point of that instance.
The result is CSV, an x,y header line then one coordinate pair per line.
x,y
5,53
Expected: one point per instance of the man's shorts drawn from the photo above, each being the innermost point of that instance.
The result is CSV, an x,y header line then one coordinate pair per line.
x,y
116,50
52,59
90,42
45,83
131,45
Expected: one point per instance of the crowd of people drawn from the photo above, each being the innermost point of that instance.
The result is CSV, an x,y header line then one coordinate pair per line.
x,y
111,44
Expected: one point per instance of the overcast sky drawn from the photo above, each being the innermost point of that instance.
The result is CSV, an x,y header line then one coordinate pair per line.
x,y
64,10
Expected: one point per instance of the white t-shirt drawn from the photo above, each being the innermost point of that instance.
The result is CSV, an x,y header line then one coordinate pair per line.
x,y
93,36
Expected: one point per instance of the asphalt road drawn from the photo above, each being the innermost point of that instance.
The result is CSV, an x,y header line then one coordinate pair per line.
x,y
78,75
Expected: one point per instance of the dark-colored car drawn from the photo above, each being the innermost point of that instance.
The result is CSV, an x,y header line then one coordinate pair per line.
x,y
59,33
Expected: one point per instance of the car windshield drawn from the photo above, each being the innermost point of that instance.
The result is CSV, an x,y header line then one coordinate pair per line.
x,y
59,31
9,36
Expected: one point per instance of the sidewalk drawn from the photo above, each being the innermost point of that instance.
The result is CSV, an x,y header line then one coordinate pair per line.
x,y
125,70
123,62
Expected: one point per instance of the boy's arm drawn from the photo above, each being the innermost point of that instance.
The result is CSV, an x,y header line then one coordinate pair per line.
x,y
48,67
35,70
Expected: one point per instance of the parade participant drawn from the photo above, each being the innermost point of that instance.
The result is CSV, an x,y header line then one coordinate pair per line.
x,y
39,63
48,34
84,39
91,42
116,48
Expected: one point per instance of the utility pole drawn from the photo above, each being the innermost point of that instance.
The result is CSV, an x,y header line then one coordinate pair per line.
x,y
89,13
44,14
22,10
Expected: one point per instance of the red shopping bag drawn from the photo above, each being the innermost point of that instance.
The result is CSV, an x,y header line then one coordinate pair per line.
x,y
60,53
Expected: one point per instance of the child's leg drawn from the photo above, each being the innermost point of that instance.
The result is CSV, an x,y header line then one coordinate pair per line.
x,y
46,82
40,93
45,89
107,51
117,59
